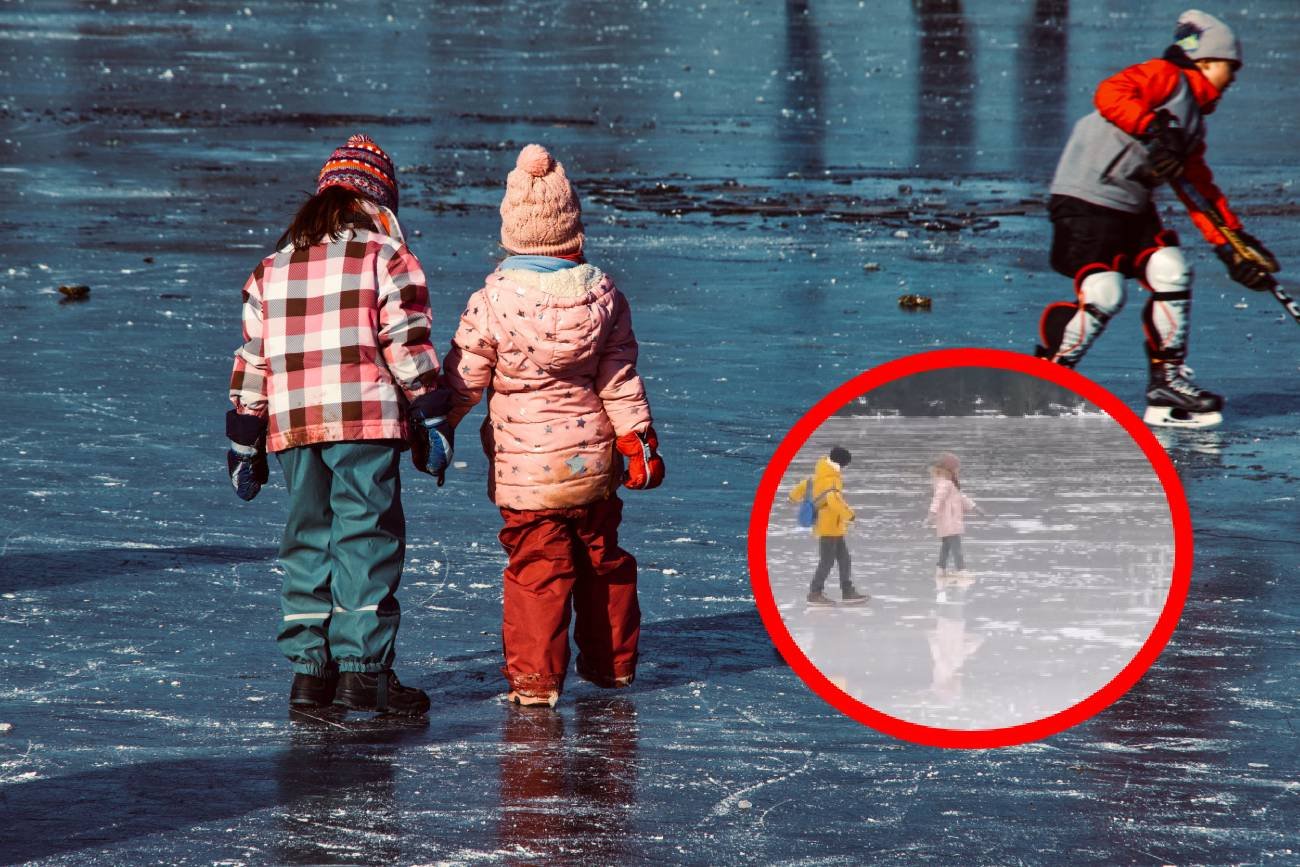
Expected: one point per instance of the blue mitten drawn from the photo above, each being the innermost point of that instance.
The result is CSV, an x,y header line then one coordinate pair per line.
x,y
246,460
432,437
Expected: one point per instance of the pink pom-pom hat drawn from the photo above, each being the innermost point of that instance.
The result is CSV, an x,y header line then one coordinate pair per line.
x,y
540,214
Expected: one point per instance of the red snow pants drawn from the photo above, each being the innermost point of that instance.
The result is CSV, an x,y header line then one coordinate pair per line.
x,y
558,558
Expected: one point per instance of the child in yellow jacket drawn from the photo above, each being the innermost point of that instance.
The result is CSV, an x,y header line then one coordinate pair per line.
x,y
833,516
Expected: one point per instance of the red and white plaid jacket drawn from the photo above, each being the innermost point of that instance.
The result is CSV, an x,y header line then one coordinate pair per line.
x,y
336,340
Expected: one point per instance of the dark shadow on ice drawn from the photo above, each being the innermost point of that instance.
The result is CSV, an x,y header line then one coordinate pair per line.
x,y
945,121
98,808
562,795
341,770
677,652
1042,76
801,129
673,653
336,768
41,571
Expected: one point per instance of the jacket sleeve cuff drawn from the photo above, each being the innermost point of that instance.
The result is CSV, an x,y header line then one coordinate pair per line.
x,y
247,430
432,404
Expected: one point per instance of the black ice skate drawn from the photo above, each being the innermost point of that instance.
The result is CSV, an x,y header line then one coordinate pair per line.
x,y
1173,400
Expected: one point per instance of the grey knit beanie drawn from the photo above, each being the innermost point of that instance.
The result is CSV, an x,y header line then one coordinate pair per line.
x,y
1201,36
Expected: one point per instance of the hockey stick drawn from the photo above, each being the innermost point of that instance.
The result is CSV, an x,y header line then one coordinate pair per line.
x,y
1193,199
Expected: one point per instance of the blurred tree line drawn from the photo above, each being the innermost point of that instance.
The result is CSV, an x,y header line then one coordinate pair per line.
x,y
968,391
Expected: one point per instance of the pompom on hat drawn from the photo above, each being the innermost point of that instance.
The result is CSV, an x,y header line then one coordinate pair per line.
x,y
540,214
363,167
1201,36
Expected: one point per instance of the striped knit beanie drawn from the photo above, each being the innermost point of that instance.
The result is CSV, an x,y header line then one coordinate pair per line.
x,y
363,167
540,214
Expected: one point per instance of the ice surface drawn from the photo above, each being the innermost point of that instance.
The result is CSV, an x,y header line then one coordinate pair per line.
x,y
1053,613
749,304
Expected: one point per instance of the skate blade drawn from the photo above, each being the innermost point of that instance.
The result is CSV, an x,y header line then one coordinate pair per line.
x,y
1168,416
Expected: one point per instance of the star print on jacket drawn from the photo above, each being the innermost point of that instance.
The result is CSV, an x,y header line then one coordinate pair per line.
x,y
561,384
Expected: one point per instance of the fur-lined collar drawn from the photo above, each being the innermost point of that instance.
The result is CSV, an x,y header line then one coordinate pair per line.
x,y
569,283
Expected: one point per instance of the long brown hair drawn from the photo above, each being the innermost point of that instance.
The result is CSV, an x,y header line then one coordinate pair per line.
x,y
326,214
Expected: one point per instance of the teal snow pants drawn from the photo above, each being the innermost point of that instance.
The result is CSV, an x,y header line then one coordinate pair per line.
x,y
342,555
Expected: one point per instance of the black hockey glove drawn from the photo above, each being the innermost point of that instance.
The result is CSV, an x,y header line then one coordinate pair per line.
x,y
432,438
1248,273
246,459
1166,148
1258,251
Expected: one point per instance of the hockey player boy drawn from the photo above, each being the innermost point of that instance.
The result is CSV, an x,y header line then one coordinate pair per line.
x,y
1148,129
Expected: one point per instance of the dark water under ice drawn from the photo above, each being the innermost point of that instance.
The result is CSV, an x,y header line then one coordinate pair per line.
x,y
763,180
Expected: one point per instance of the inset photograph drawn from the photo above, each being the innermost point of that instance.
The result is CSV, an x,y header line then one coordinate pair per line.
x,y
969,548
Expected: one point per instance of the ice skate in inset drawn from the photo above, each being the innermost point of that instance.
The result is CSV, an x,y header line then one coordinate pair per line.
x,y
853,597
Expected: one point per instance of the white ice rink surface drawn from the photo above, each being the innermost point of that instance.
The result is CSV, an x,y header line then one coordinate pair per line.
x,y
1070,569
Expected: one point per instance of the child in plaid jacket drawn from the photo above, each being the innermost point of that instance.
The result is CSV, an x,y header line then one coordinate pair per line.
x,y
336,355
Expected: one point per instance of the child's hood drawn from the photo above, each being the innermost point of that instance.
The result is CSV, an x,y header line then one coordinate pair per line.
x,y
825,474
559,319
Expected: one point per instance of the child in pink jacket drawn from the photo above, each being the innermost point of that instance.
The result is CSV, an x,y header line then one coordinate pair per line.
x,y
551,336
948,509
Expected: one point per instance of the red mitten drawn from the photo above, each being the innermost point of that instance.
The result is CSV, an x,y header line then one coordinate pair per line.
x,y
645,469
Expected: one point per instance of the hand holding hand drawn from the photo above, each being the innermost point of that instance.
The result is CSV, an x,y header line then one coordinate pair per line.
x,y
645,468
431,436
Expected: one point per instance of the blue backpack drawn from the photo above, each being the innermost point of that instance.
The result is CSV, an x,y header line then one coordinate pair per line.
x,y
807,511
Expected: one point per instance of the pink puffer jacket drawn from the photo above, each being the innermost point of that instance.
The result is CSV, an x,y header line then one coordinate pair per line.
x,y
558,352
948,508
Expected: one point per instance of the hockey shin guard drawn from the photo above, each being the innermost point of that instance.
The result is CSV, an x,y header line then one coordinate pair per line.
x,y
1067,330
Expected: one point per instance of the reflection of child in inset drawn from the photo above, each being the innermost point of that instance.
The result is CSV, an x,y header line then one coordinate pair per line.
x,y
950,647
948,509
829,527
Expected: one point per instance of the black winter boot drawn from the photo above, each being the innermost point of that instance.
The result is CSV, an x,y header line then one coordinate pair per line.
x,y
379,692
311,691
853,597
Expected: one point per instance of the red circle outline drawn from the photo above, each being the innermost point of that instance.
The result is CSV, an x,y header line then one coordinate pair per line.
x,y
970,738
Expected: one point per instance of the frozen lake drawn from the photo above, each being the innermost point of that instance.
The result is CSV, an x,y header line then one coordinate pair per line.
x,y
763,180
1070,569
